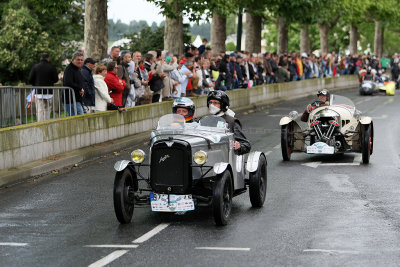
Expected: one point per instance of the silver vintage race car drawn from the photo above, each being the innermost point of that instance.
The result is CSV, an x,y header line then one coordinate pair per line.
x,y
190,165
336,128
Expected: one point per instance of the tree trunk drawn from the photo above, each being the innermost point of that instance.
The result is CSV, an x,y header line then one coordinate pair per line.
x,y
218,33
96,29
253,33
324,37
173,33
305,39
353,39
378,42
283,35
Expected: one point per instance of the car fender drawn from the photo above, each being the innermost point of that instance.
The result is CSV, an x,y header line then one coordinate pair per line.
x,y
365,120
252,161
285,120
220,167
121,165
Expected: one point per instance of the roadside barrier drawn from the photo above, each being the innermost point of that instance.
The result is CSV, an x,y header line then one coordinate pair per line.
x,y
23,105
42,140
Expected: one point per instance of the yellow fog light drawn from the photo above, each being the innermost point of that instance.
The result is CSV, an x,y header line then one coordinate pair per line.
x,y
200,157
137,156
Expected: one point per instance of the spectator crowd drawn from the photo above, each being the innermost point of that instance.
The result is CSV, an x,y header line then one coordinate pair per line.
x,y
126,79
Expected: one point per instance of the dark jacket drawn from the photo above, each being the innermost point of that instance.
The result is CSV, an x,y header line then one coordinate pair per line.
x,y
89,97
234,66
235,127
43,74
73,78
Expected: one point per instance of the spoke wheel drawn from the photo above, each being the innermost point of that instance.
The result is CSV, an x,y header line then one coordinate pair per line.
x,y
258,183
286,141
124,196
222,199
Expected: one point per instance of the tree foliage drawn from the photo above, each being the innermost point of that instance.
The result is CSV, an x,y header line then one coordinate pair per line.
x,y
31,27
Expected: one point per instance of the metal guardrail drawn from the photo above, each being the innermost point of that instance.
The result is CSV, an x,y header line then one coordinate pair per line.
x,y
22,105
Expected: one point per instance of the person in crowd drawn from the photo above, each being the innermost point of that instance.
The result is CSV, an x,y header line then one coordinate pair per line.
x,y
273,61
197,79
307,71
384,62
136,84
115,85
223,81
114,53
43,74
123,73
218,104
323,100
155,77
102,97
267,68
187,72
202,47
73,78
166,66
184,106
89,98
137,56
143,76
206,74
283,73
260,71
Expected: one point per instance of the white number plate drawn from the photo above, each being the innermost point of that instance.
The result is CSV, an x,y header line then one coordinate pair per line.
x,y
320,148
161,202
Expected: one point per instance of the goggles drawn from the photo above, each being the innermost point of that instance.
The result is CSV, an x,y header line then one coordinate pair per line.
x,y
322,92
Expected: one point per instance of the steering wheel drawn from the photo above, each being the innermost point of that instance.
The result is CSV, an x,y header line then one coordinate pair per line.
x,y
317,103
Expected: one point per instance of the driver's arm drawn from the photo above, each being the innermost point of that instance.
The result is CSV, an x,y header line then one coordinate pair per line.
x,y
238,135
306,113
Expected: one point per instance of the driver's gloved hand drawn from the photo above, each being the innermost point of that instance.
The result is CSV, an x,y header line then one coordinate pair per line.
x,y
310,108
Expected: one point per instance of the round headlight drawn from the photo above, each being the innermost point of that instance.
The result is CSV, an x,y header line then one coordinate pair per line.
x,y
293,115
200,157
137,156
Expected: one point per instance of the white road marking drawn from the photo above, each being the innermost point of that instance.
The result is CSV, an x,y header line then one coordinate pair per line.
x,y
224,248
331,251
11,244
267,153
276,115
315,164
151,233
112,246
109,258
277,146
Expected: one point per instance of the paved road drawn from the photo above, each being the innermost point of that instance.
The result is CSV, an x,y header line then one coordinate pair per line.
x,y
316,213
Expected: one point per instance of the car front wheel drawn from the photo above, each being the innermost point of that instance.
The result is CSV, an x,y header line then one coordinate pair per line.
x,y
258,183
222,199
366,144
286,142
124,196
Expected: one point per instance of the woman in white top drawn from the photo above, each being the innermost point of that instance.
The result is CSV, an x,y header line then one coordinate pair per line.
x,y
102,97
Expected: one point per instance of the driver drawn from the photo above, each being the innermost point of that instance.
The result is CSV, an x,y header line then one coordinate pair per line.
x,y
218,104
184,106
323,100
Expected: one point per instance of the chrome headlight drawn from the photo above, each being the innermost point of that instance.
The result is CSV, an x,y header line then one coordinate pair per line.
x,y
138,156
293,115
357,115
200,157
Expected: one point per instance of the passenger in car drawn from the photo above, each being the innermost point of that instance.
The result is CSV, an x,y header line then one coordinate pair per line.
x,y
218,104
323,100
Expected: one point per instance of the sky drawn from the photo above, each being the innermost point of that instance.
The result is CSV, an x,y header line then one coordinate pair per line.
x,y
128,10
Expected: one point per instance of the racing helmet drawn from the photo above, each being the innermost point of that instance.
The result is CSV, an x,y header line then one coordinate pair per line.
x,y
221,96
184,102
325,93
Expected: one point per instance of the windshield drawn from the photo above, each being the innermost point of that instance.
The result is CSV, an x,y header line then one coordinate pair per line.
x,y
343,101
209,127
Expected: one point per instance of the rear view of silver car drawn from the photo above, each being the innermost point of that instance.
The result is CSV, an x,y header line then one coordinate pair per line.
x,y
191,165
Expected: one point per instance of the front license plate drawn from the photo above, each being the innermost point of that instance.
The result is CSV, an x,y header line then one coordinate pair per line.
x,y
161,202
320,148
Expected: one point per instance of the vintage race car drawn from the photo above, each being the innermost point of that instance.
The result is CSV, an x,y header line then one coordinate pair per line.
x,y
190,165
383,85
337,128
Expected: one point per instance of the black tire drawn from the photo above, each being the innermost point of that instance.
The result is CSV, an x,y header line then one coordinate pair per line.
x,y
258,184
124,196
366,144
222,199
286,142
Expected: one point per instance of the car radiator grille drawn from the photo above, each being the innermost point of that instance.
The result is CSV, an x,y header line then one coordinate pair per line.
x,y
170,167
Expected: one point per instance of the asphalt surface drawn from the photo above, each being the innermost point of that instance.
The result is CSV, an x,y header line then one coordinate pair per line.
x,y
316,213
